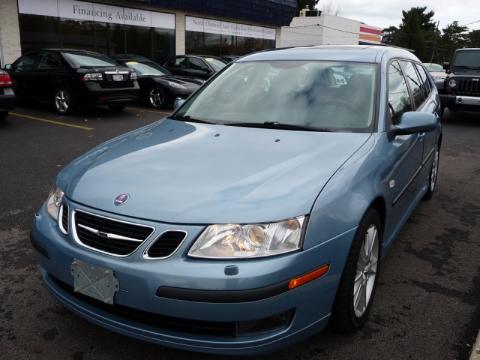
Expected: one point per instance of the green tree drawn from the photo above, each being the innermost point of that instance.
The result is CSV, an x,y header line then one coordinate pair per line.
x,y
417,32
302,4
474,39
454,36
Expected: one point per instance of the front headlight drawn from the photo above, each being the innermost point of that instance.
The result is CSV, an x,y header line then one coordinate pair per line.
x,y
54,202
232,241
452,83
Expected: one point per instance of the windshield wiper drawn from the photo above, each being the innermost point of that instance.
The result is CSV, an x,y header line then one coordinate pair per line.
x,y
190,119
277,125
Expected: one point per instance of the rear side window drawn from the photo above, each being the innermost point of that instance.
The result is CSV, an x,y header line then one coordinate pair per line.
x,y
178,62
425,80
49,61
416,86
398,97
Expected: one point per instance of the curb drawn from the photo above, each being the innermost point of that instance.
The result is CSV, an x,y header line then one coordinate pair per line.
x,y
476,349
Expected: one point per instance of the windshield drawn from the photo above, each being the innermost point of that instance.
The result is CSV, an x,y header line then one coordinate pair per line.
x,y
434,67
216,64
467,59
89,60
311,94
147,68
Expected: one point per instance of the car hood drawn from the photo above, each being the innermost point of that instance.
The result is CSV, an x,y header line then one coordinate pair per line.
x,y
180,172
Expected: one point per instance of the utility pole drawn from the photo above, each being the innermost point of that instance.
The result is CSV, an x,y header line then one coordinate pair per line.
x,y
435,40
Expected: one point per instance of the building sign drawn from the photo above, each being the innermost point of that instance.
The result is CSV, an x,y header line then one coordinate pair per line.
x,y
82,10
370,34
228,28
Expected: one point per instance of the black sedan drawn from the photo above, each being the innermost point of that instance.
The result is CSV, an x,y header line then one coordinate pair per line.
x,y
71,79
196,66
158,87
7,96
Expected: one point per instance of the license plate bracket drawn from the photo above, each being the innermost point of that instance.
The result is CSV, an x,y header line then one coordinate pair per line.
x,y
8,91
94,281
117,77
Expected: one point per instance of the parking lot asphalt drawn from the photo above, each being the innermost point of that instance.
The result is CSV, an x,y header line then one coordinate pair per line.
x,y
427,304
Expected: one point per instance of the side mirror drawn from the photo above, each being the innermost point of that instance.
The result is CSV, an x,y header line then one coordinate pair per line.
x,y
8,66
415,122
446,66
177,103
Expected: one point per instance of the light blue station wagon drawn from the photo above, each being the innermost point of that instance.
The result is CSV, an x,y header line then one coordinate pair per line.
x,y
258,212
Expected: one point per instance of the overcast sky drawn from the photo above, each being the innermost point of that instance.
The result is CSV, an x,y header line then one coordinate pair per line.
x,y
384,13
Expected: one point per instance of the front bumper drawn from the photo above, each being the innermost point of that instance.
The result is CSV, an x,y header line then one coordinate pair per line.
x,y
104,96
140,280
460,101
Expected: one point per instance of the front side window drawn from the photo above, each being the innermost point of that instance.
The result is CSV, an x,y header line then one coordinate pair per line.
x,y
398,97
25,63
198,64
79,60
414,82
299,93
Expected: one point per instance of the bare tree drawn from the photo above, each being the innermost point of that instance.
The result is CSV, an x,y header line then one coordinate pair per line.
x,y
329,8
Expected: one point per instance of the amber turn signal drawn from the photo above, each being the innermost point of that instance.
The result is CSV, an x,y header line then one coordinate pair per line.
x,y
315,274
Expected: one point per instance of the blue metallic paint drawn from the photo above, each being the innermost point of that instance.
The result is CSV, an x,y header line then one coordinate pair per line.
x,y
176,175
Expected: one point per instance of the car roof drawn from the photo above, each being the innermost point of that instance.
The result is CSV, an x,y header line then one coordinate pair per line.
x,y
354,53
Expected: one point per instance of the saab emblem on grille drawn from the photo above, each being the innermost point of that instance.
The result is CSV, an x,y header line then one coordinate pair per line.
x,y
121,199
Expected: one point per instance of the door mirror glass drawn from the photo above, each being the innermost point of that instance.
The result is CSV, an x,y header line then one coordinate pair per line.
x,y
177,103
446,66
415,122
8,66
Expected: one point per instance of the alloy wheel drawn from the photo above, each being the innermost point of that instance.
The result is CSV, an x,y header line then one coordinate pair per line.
x,y
156,97
434,173
366,271
62,101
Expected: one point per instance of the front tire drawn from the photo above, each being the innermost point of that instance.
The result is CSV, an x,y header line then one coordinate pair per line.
x,y
157,97
359,279
62,101
433,177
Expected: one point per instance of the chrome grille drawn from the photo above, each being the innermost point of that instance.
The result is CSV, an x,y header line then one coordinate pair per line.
x,y
114,237
468,87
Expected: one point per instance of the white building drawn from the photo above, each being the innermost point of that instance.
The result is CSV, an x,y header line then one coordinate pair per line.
x,y
328,30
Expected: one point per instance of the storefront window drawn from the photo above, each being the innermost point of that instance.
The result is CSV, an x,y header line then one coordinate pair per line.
x,y
38,31
76,34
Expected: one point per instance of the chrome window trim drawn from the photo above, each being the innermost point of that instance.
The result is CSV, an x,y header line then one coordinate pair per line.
x,y
79,242
145,253
60,220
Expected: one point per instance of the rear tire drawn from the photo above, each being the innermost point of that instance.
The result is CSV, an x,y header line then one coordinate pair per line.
x,y
62,100
117,107
359,279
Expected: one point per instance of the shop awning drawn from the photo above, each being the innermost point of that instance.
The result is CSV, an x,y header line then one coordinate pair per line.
x,y
267,12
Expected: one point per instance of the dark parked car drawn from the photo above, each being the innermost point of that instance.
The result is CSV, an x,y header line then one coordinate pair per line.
x,y
7,95
461,88
195,65
71,79
158,86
